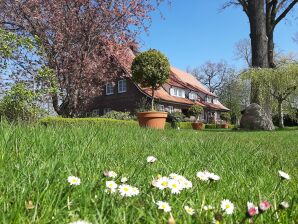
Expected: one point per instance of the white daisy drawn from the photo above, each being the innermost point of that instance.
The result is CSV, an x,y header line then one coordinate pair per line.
x,y
189,210
72,180
110,173
135,191
208,207
124,180
213,176
151,159
174,176
284,175
284,205
163,206
126,190
227,206
161,183
111,190
111,185
203,175
80,222
186,184
175,186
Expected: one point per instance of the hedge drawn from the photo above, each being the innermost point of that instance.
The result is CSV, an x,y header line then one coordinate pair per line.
x,y
59,121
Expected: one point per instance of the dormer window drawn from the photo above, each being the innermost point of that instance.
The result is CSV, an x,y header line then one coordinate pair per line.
x,y
109,88
193,96
208,99
174,91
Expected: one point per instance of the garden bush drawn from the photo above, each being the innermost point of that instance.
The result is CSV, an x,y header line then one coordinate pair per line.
x,y
119,115
59,121
175,118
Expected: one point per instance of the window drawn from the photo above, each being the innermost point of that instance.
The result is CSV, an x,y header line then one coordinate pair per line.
x,y
106,110
171,109
109,88
177,92
161,107
122,86
215,101
208,99
193,96
95,112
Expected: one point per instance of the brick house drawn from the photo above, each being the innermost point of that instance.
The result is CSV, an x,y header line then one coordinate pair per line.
x,y
179,93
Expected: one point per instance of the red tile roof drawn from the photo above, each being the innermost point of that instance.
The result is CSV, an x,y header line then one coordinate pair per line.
x,y
162,94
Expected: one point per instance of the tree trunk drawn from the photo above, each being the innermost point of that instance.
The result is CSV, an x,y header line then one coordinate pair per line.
x,y
280,114
152,100
259,42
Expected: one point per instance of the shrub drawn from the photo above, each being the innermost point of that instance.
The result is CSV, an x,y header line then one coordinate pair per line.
x,y
226,116
175,118
18,104
195,110
118,115
150,69
59,121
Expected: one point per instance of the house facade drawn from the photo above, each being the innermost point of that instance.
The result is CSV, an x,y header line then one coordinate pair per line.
x,y
178,94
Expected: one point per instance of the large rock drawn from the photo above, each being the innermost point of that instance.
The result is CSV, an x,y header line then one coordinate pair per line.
x,y
255,118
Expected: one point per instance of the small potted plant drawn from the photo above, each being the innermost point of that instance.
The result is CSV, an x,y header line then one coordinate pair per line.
x,y
226,118
151,69
196,111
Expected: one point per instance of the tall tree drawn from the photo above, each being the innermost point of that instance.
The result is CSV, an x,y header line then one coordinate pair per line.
x,y
84,40
263,16
212,74
280,83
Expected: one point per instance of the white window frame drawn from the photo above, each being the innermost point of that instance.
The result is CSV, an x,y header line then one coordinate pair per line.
x,y
161,107
193,96
106,110
171,109
122,87
95,112
208,99
177,92
109,88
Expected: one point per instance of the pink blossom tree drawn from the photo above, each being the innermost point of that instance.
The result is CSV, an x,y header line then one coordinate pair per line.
x,y
85,42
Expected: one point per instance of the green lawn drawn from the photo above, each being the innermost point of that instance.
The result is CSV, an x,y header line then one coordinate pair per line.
x,y
36,161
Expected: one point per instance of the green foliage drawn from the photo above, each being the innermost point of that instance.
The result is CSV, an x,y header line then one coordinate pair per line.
x,y
18,104
226,116
9,42
36,161
143,105
60,122
150,69
118,115
175,118
195,110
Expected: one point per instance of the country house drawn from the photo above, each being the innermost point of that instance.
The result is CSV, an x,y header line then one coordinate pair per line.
x,y
178,94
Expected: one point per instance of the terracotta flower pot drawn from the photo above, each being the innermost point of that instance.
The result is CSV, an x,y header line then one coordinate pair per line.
x,y
152,119
225,126
197,125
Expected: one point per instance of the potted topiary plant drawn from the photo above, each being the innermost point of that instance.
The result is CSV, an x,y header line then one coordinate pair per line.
x,y
226,117
151,69
196,111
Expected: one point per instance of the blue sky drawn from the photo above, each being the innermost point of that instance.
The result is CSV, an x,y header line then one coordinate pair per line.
x,y
195,31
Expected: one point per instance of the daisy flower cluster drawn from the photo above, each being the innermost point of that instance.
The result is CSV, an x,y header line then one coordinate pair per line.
x,y
176,183
207,176
125,190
